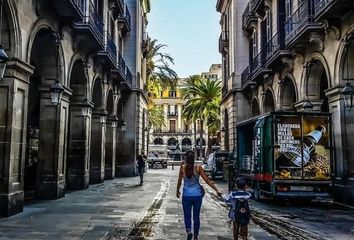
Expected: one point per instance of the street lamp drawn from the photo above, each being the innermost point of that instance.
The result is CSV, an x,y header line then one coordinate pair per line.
x,y
3,56
56,91
307,105
122,124
348,94
348,90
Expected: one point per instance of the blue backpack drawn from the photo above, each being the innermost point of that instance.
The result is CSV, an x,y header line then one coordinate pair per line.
x,y
242,212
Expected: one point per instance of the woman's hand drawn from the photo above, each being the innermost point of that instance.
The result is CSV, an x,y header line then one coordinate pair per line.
x,y
178,194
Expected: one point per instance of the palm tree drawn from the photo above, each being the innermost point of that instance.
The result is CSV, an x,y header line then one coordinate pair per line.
x,y
203,98
156,116
158,63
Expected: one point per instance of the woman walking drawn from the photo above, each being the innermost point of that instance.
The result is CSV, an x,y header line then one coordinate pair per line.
x,y
193,193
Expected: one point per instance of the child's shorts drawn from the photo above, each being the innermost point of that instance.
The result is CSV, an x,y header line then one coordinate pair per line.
x,y
242,230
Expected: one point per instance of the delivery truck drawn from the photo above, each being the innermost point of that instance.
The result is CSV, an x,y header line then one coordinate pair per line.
x,y
285,155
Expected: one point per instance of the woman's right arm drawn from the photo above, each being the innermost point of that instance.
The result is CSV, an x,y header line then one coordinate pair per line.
x,y
208,181
179,183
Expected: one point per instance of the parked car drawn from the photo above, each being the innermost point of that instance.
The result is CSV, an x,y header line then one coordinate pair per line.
x,y
217,164
154,161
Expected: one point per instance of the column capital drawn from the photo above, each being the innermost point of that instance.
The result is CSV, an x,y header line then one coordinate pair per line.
x,y
334,94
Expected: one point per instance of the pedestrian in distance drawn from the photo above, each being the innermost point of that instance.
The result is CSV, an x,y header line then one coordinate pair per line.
x,y
141,168
239,213
193,193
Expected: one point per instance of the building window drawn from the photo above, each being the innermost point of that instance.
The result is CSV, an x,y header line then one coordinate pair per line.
x,y
254,44
172,94
269,25
172,110
172,126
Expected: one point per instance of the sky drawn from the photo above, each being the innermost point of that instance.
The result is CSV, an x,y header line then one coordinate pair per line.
x,y
190,29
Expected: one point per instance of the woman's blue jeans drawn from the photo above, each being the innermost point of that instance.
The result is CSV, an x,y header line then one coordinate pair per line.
x,y
190,203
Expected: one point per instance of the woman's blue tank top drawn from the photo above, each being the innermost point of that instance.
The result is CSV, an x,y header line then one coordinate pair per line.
x,y
191,186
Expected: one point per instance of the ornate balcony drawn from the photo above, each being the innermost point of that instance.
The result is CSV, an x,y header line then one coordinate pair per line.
x,y
245,77
91,27
257,66
258,7
125,19
249,17
224,42
328,8
109,54
171,132
172,114
145,43
71,8
301,23
275,48
129,77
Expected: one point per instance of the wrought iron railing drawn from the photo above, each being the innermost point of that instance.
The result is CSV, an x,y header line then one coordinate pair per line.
x,y
275,44
303,15
129,76
80,5
257,63
121,64
245,76
95,19
126,16
172,114
319,5
247,14
111,48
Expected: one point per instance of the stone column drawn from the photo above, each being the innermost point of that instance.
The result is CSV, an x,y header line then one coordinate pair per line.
x,y
343,141
13,115
52,146
79,146
97,151
110,154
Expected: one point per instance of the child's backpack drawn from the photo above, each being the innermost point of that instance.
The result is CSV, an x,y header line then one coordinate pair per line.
x,y
242,212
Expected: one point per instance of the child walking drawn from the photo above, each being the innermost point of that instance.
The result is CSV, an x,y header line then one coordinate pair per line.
x,y
239,213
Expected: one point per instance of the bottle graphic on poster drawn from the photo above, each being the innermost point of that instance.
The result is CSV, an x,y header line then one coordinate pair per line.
x,y
292,155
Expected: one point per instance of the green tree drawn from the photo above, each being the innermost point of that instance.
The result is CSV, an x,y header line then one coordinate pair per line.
x,y
203,98
158,69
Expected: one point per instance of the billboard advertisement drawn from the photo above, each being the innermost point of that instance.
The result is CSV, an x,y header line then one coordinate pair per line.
x,y
302,147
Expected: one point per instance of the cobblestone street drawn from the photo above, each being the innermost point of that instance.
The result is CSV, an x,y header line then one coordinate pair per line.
x,y
121,209
117,209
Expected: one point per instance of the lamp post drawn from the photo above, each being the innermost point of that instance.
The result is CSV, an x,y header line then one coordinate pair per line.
x,y
348,94
3,56
56,91
348,90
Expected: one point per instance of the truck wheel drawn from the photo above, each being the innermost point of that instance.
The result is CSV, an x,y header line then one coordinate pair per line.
x,y
256,194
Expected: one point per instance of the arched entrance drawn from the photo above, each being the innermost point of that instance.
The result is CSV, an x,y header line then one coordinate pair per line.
x,y
79,125
287,95
110,136
46,124
268,104
158,141
316,84
172,142
186,144
97,147
254,108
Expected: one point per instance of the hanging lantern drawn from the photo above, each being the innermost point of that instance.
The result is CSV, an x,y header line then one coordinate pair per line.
x,y
123,125
56,90
348,94
3,61
307,106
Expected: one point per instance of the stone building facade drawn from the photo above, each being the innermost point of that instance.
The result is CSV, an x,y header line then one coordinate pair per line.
x,y
280,55
95,50
177,133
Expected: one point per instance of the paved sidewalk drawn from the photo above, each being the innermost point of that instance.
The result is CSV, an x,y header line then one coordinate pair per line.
x,y
119,209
